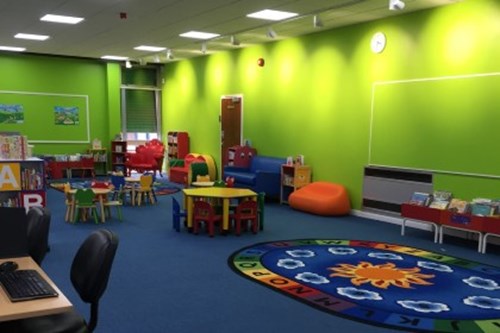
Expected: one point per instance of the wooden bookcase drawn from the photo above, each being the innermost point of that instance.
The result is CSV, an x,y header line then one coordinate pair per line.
x,y
23,184
293,177
118,155
100,157
177,145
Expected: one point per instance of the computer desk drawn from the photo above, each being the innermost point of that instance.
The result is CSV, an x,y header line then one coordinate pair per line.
x,y
26,309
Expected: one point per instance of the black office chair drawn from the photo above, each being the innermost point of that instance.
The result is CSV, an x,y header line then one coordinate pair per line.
x,y
38,233
89,274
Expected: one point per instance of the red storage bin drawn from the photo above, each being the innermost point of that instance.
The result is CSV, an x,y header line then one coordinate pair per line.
x,y
491,225
421,213
463,221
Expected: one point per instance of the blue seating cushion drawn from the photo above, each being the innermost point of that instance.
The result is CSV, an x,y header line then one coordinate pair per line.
x,y
242,177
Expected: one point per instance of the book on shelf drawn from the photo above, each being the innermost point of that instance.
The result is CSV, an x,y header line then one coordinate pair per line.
x,y
439,204
458,206
420,199
482,209
442,195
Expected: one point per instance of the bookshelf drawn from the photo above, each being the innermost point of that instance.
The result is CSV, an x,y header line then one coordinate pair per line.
x,y
22,183
293,177
100,157
177,145
118,155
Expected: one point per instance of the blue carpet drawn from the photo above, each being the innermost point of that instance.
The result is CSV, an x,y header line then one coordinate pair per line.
x,y
165,281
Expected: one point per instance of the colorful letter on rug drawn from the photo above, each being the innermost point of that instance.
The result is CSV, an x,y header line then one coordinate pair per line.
x,y
381,284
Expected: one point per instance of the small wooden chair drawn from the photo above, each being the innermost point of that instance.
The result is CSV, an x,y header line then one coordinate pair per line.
x,y
177,214
203,211
84,204
69,202
117,203
246,211
145,189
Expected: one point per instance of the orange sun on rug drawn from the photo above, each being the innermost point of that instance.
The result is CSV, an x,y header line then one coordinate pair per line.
x,y
381,276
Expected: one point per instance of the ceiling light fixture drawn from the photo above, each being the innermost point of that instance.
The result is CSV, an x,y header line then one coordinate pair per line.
x,y
150,48
317,23
396,5
234,40
113,57
271,33
199,35
31,36
272,15
12,48
61,19
169,55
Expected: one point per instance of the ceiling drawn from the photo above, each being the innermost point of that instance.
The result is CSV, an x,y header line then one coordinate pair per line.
x,y
159,22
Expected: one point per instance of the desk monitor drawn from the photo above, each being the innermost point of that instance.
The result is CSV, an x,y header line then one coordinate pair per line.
x,y
13,232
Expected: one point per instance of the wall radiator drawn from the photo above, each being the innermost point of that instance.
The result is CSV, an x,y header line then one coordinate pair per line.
x,y
385,189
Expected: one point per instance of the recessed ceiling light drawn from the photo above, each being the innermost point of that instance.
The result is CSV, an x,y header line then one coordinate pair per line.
x,y
112,57
150,48
199,35
272,15
31,36
61,19
12,48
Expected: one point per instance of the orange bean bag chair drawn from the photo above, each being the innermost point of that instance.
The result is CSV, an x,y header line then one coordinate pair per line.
x,y
321,198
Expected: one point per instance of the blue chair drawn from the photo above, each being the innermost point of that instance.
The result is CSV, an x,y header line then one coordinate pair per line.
x,y
177,214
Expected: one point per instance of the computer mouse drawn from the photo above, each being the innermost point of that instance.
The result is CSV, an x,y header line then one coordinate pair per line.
x,y
8,266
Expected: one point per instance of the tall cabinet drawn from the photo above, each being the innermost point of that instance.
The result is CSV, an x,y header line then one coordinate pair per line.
x,y
22,183
293,177
177,145
118,155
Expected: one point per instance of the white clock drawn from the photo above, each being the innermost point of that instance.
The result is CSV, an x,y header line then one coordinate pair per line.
x,y
378,42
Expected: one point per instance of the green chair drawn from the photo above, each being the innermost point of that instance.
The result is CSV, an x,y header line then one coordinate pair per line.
x,y
115,202
197,169
219,183
84,202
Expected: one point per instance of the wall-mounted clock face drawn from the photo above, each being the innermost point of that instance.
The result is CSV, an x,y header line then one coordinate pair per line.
x,y
378,42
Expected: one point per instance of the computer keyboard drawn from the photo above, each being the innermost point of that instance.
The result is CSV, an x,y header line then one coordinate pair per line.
x,y
25,284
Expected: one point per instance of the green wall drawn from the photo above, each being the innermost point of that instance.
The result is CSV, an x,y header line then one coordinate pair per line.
x,y
314,95
57,75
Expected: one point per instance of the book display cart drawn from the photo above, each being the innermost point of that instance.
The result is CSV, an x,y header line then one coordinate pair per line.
x,y
118,155
177,145
22,183
483,226
293,177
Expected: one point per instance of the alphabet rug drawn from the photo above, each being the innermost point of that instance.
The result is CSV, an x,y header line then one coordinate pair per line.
x,y
382,284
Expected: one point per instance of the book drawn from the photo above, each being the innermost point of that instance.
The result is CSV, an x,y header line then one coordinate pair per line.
x,y
482,209
458,206
442,195
420,199
439,204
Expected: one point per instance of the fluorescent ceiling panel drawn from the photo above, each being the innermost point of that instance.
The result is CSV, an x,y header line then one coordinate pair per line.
x,y
31,36
272,15
150,48
112,57
61,19
199,35
12,48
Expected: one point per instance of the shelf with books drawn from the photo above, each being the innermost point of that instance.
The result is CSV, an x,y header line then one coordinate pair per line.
x,y
22,183
100,157
118,155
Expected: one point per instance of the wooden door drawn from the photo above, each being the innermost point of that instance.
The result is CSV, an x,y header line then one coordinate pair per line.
x,y
230,118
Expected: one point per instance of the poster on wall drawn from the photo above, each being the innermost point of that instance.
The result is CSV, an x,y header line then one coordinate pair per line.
x,y
11,114
64,115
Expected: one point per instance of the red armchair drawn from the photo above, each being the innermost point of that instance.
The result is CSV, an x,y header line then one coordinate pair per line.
x,y
148,157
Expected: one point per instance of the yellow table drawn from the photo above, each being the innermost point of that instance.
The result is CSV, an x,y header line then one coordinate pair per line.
x,y
224,193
